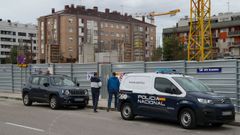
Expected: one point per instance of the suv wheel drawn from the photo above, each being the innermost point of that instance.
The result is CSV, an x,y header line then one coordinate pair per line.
x,y
127,112
217,124
26,100
54,104
82,106
187,119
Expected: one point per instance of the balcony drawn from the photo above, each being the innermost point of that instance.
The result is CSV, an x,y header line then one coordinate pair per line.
x,y
235,33
234,44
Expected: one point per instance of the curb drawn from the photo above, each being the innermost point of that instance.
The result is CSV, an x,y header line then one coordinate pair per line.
x,y
13,98
105,108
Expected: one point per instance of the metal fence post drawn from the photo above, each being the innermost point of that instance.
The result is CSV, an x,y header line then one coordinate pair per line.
x,y
53,68
237,87
12,77
185,67
72,71
144,66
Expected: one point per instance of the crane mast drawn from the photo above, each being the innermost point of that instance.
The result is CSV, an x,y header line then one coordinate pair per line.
x,y
200,35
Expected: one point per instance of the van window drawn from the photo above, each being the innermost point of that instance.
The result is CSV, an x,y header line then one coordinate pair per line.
x,y
161,84
35,80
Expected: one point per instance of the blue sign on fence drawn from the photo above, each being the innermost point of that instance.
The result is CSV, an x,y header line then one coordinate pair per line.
x,y
209,70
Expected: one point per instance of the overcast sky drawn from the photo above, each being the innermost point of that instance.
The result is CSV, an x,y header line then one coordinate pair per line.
x,y
27,11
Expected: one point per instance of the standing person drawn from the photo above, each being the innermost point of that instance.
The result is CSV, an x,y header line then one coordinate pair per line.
x,y
96,84
113,89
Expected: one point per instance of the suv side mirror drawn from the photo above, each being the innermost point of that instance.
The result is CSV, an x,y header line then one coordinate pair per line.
x,y
78,84
46,84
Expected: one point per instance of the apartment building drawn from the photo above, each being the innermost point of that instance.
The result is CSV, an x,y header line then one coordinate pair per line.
x,y
20,35
225,34
81,35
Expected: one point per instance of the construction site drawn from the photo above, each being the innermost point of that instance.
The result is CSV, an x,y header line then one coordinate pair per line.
x,y
81,35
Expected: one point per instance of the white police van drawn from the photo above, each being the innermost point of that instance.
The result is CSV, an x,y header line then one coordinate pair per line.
x,y
173,97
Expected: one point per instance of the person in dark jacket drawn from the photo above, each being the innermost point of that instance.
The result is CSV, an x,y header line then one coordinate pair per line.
x,y
96,84
113,89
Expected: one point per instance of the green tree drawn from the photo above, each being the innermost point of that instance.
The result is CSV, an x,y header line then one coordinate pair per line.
x,y
157,54
13,56
172,50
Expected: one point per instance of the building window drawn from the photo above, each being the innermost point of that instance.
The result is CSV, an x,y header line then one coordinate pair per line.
x,y
123,27
102,25
70,20
21,34
117,35
106,25
117,26
95,24
112,25
70,39
95,32
70,30
141,29
32,34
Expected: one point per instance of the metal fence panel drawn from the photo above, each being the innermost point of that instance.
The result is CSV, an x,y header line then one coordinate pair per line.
x,y
63,69
135,67
80,72
19,77
6,78
154,66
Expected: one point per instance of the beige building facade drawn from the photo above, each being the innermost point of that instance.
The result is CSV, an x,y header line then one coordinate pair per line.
x,y
68,35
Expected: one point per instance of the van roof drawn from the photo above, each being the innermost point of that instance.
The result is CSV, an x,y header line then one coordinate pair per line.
x,y
155,74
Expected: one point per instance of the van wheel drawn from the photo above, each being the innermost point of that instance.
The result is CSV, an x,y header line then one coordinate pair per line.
x,y
187,119
54,104
126,112
26,100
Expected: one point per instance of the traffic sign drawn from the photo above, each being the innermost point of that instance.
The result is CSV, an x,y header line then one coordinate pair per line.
x,y
22,65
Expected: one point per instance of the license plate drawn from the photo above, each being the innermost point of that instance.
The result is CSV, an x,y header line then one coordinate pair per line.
x,y
227,113
78,99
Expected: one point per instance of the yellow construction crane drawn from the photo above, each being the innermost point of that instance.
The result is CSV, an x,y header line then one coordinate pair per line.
x,y
200,35
151,15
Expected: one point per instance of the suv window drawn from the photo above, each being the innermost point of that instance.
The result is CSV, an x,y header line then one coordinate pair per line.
x,y
43,80
161,84
35,80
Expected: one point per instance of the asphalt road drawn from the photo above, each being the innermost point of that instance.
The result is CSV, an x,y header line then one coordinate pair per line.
x,y
16,119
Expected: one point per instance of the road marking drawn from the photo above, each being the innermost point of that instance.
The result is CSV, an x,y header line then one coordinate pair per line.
x,y
22,126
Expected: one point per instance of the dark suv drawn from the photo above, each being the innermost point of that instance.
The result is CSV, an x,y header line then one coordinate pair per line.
x,y
57,90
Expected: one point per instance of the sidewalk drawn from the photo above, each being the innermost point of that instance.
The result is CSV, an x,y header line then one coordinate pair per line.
x,y
102,104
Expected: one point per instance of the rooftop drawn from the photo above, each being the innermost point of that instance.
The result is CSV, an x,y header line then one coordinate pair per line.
x,y
81,10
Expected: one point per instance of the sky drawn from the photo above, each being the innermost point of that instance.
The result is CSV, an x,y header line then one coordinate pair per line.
x,y
27,11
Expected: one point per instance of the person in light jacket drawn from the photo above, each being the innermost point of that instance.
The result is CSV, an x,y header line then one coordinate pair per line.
x,y
96,85
113,89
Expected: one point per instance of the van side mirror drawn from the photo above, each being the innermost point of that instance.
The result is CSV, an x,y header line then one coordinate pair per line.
x,y
46,84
